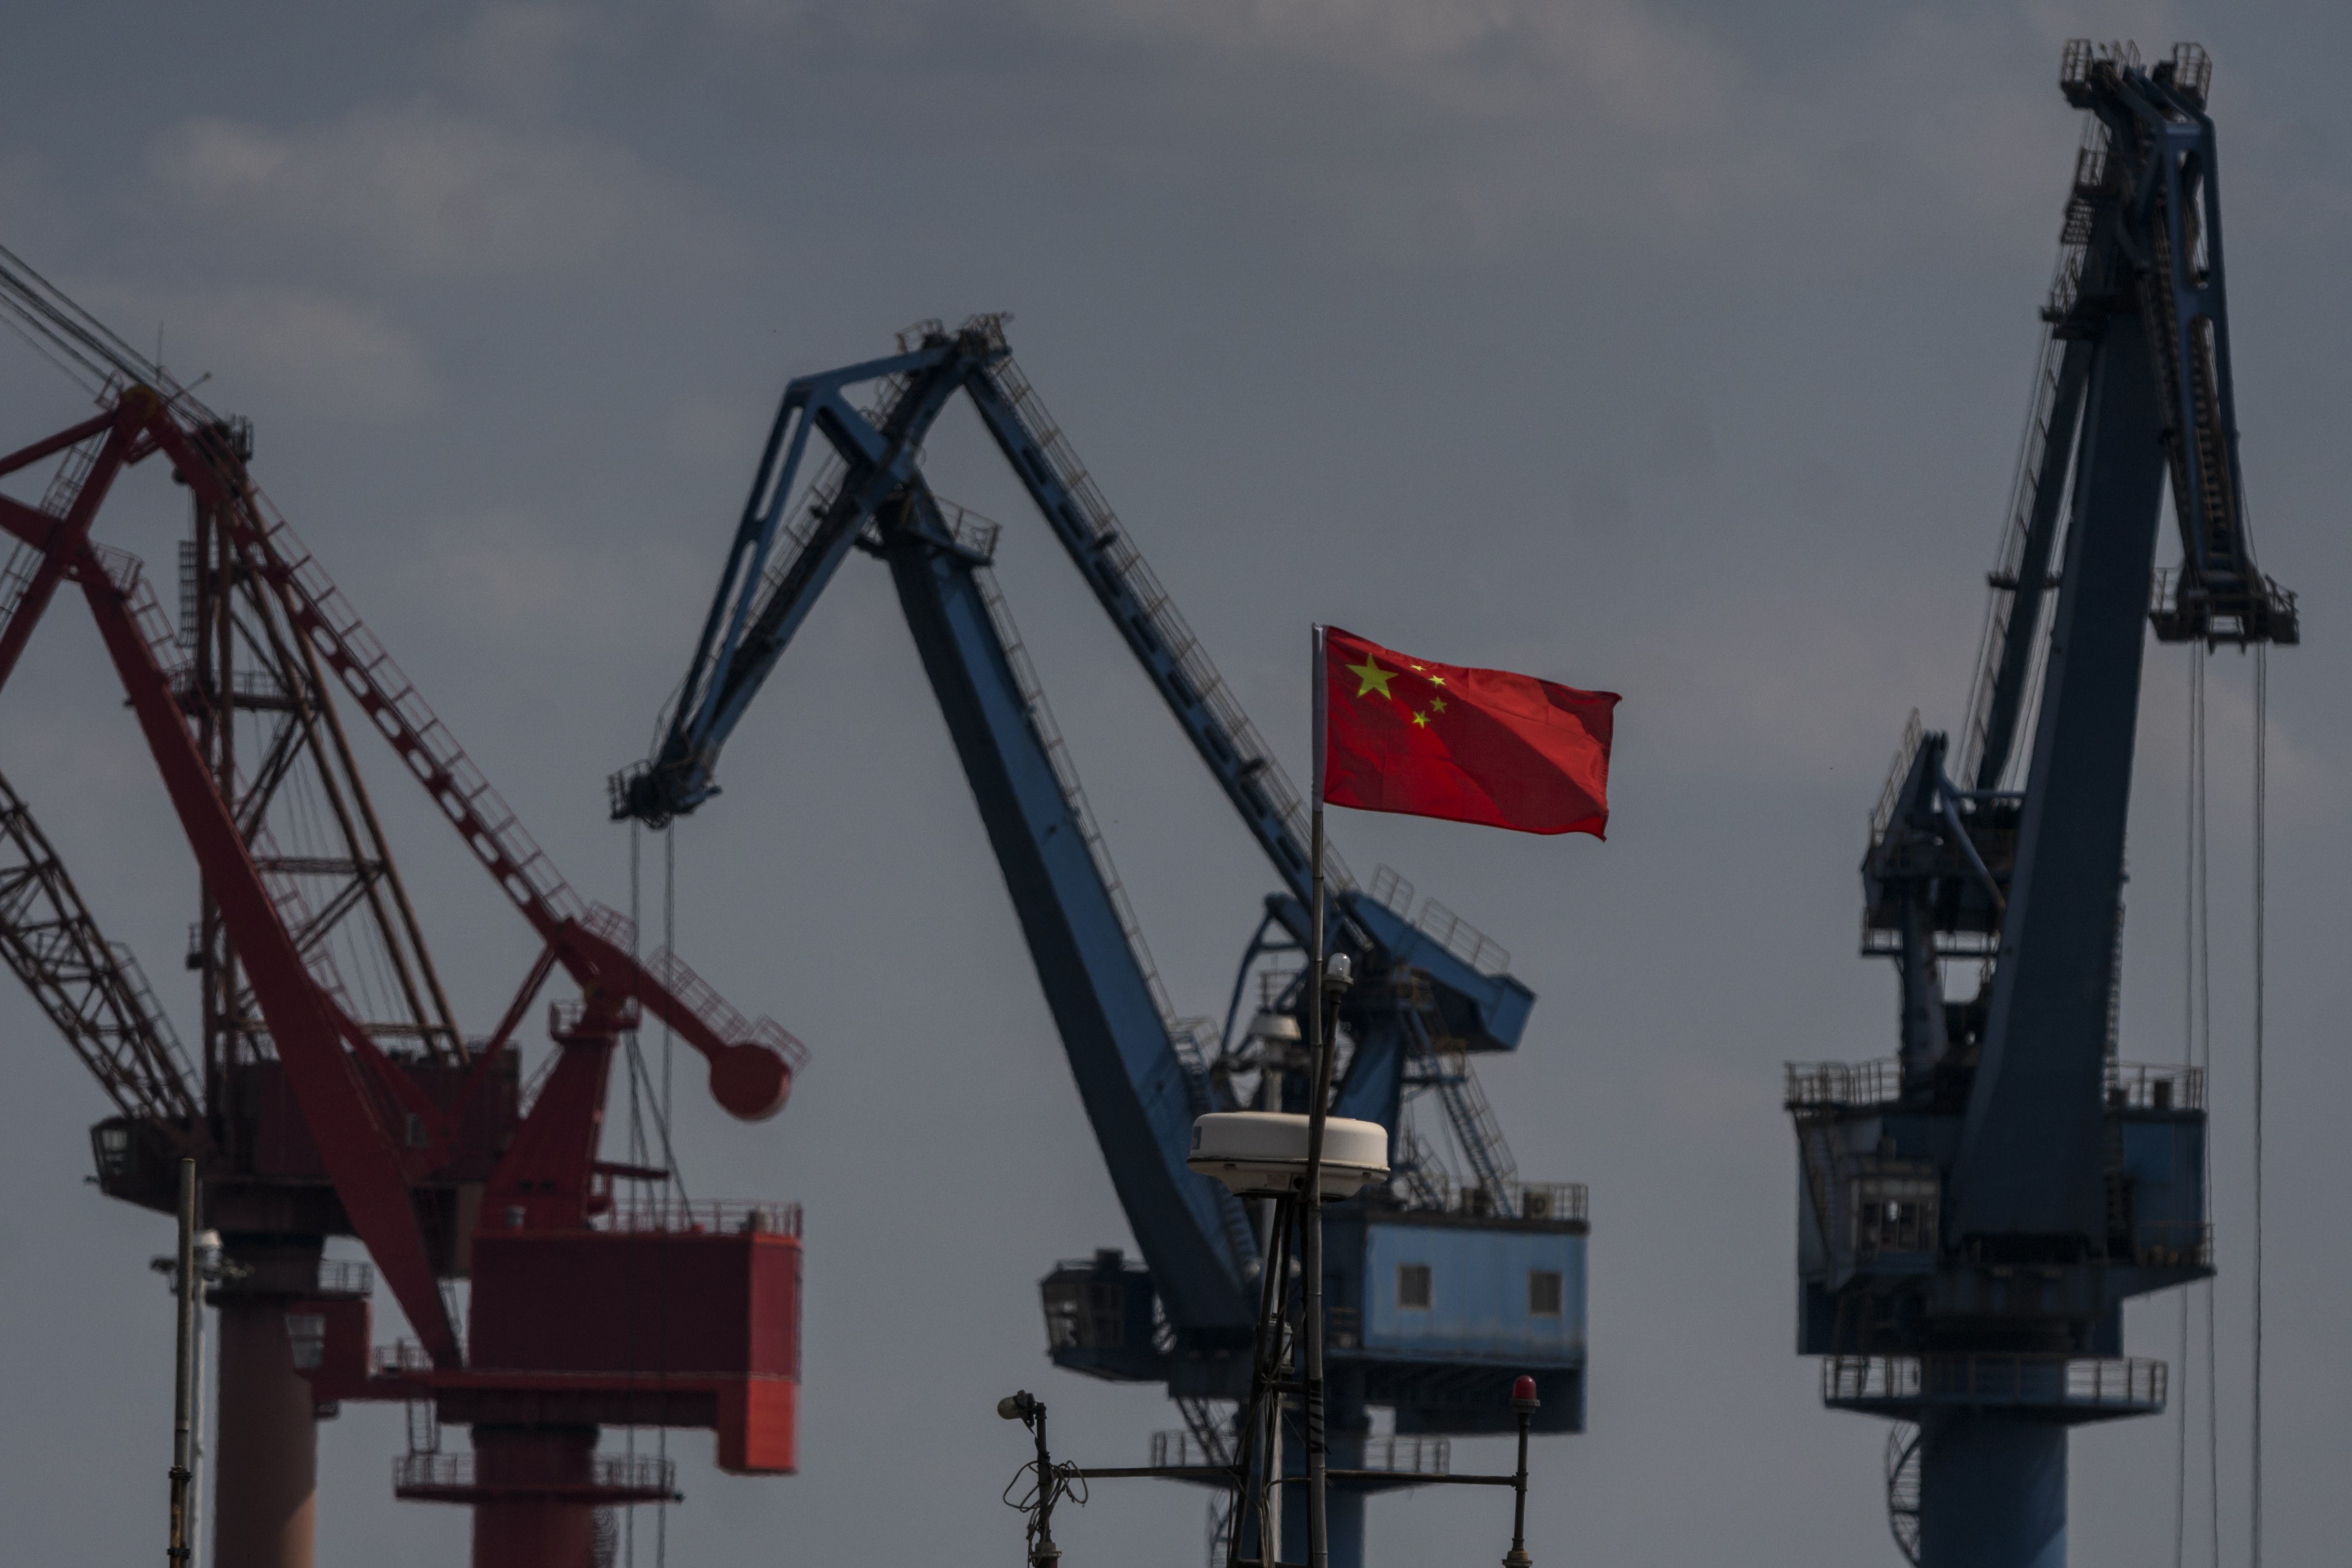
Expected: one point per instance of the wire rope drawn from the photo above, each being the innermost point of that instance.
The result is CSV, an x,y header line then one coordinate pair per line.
x,y
636,1157
2202,866
2261,806
2189,1064
661,1433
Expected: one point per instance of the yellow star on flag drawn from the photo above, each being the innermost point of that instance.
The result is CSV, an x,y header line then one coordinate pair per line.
x,y
1373,676
1437,705
1422,719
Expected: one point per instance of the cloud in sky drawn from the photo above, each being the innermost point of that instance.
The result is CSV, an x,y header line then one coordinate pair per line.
x,y
329,356
421,189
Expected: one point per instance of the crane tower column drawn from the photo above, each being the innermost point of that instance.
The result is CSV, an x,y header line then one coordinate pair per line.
x,y
1992,1489
265,1462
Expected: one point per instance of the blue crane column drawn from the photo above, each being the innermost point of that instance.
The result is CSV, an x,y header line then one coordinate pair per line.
x,y
1511,1255
1974,1214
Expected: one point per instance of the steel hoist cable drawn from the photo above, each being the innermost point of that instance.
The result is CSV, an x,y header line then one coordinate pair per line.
x,y
2261,828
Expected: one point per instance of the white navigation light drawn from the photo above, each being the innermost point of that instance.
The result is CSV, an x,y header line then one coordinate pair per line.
x,y
1263,1153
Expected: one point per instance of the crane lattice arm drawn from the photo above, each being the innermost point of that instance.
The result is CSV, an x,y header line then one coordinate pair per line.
x,y
94,989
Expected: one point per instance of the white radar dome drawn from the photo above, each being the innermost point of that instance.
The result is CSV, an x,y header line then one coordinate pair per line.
x,y
1263,1153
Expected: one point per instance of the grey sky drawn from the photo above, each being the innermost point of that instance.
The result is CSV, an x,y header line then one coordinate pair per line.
x,y
1678,349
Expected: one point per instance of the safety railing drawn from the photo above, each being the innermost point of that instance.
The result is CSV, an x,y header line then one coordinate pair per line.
x,y
704,1216
618,1476
2075,1382
129,576
346,1277
1390,889
673,974
1526,1200
1397,1456
24,562
65,485
2133,1086
401,1358
2192,70
2173,1244
2141,1086
1412,1456
1897,771
973,534
1820,1085
1553,1199
567,1019
1463,939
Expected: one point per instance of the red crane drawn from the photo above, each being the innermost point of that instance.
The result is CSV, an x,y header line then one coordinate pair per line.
x,y
335,1094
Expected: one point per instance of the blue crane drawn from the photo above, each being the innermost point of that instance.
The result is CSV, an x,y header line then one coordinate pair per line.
x,y
1976,1211
1445,1285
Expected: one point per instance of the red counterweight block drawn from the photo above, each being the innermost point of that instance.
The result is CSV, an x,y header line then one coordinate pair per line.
x,y
689,1319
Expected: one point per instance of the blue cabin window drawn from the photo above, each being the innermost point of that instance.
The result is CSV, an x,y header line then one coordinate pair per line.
x,y
1413,1286
1545,1293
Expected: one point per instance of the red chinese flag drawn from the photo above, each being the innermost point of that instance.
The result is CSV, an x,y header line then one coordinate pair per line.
x,y
1470,745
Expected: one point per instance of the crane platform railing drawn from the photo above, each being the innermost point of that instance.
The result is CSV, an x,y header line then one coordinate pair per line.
x,y
2173,1244
346,1277
703,1216
608,1479
2121,1383
675,975
1809,1085
1897,771
1463,939
1178,1448
2129,1086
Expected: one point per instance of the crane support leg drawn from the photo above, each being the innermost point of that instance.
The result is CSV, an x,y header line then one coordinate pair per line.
x,y
265,1465
1993,1492
533,1524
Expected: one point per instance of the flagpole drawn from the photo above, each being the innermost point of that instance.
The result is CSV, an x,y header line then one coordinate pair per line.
x,y
1318,1041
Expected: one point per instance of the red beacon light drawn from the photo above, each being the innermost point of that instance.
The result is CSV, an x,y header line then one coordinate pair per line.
x,y
1523,1394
